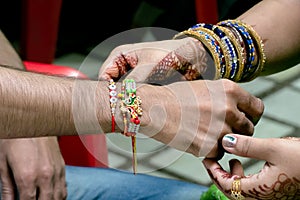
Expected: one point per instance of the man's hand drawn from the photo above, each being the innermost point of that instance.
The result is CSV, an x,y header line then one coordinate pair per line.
x,y
193,116
32,169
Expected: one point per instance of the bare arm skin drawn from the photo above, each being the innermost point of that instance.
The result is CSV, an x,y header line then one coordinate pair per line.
x,y
38,105
277,22
59,116
35,167
59,106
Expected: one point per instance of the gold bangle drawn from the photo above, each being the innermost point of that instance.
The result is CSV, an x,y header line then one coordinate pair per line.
x,y
260,49
236,191
239,50
223,49
208,45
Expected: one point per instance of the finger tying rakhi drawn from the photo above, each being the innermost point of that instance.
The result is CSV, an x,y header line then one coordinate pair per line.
x,y
236,167
121,64
219,176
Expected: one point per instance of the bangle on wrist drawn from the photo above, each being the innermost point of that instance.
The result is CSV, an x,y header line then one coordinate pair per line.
x,y
235,46
212,49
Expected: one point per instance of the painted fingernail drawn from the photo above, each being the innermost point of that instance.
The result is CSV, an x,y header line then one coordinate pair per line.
x,y
229,141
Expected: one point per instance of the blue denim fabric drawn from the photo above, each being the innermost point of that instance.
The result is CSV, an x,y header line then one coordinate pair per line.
x,y
85,183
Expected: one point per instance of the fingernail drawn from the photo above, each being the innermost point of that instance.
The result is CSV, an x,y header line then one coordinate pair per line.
x,y
229,141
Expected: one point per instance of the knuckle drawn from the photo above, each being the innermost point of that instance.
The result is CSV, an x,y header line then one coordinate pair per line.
x,y
26,178
47,173
230,87
230,114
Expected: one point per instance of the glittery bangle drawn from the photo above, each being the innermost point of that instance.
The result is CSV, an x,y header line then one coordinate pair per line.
x,y
237,74
239,37
233,65
250,47
259,47
220,48
113,102
210,47
235,62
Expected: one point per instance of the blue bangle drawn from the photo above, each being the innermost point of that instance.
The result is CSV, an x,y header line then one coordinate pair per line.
x,y
233,61
249,67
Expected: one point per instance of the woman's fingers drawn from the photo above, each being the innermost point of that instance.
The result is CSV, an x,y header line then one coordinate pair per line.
x,y
218,175
236,167
233,184
117,66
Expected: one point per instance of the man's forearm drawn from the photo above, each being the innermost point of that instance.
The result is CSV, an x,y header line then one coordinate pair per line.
x,y
38,105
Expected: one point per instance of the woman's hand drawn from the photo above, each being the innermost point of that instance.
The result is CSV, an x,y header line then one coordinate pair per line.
x,y
158,62
279,177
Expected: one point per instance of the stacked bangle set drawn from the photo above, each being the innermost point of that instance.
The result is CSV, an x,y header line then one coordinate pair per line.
x,y
235,47
131,110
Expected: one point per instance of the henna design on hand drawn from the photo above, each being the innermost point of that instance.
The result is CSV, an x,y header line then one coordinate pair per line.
x,y
283,188
172,68
120,66
185,63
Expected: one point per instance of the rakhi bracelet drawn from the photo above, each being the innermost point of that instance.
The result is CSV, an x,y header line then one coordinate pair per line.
x,y
209,46
130,106
113,102
131,110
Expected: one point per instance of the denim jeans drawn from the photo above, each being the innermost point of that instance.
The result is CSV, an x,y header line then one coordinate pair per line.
x,y
84,183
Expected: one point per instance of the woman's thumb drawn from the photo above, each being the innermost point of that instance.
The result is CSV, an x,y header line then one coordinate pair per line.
x,y
247,146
